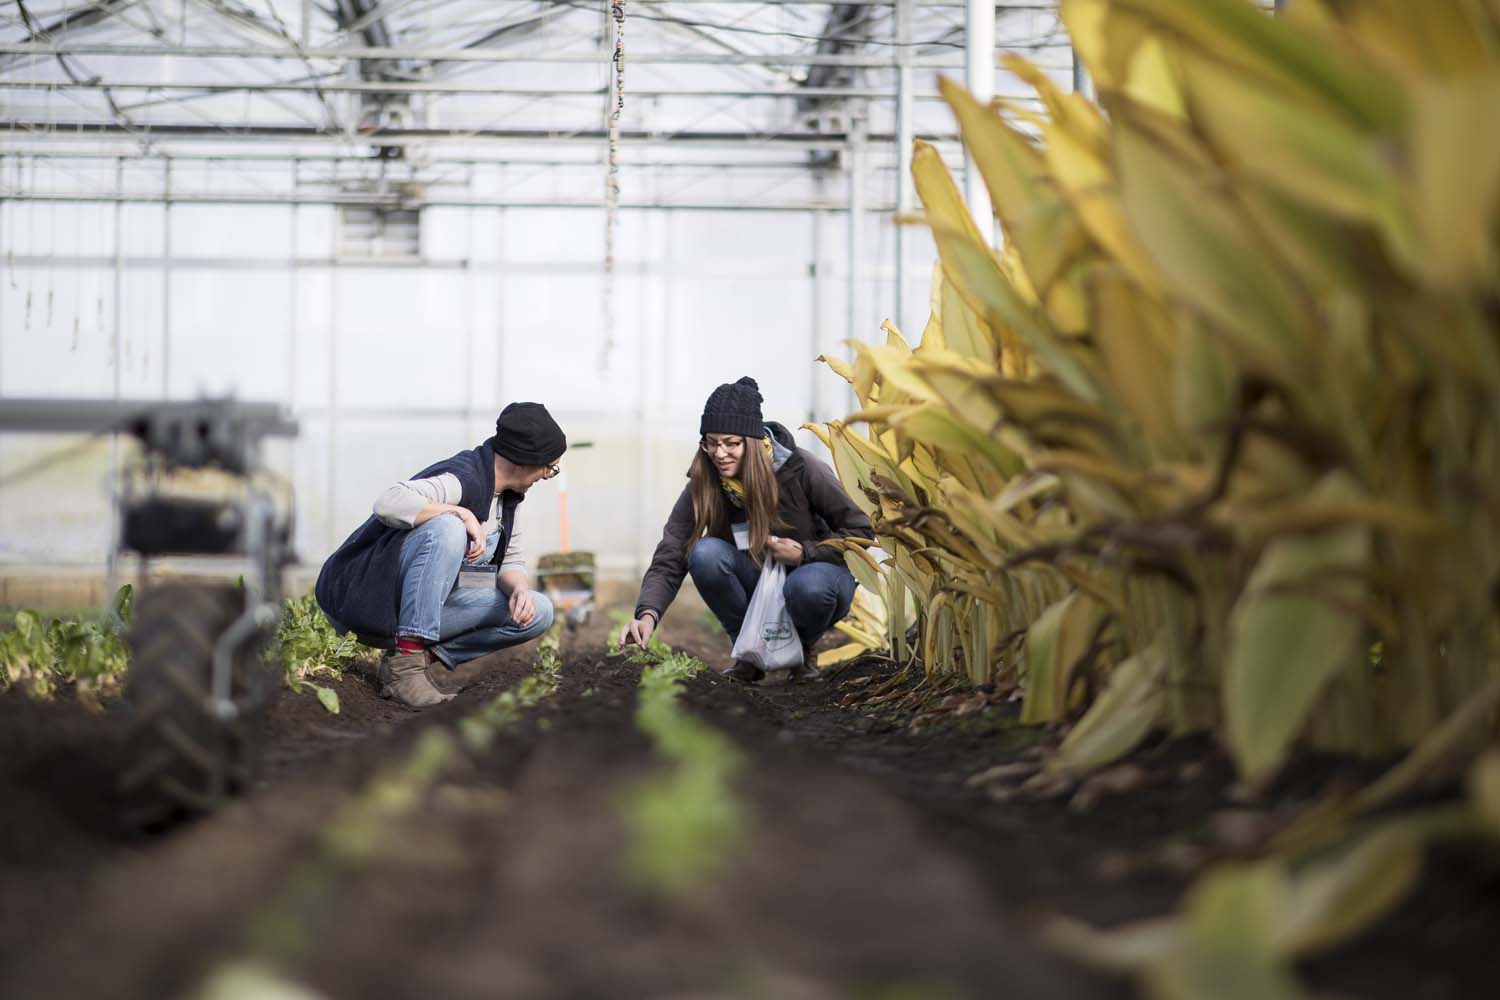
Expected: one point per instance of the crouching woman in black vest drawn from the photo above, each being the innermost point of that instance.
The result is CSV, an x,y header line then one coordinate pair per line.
x,y
752,495
394,582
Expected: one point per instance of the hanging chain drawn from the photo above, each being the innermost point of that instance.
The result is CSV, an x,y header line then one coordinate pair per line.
x,y
612,181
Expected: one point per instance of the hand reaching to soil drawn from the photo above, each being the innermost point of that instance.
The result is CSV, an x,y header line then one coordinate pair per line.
x,y
638,632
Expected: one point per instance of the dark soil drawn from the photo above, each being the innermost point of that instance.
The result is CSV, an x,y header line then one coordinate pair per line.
x,y
869,867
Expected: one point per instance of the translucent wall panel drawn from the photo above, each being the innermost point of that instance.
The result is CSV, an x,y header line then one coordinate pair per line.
x,y
59,332
401,338
59,516
242,231
229,333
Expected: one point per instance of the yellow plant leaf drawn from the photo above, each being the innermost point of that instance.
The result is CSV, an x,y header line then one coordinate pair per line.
x,y
820,432
1066,301
1422,40
1330,164
1332,899
1226,947
1086,21
1484,790
840,654
1455,153
1088,180
964,333
944,204
1135,342
1119,949
853,471
867,639
1069,113
1055,644
1203,382
1289,636
1039,222
1134,702
1150,77
1209,256
933,424
972,268
1309,241
1273,51
867,571
891,367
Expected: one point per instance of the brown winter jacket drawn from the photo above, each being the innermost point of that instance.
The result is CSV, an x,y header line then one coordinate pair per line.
x,y
811,502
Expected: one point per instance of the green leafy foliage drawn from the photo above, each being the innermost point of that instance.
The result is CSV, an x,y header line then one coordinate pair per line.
x,y
38,657
308,647
92,652
684,821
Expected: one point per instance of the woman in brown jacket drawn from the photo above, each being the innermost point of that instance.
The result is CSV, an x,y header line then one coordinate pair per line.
x,y
752,494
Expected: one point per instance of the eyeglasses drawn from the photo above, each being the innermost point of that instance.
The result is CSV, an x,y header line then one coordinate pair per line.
x,y
709,445
552,471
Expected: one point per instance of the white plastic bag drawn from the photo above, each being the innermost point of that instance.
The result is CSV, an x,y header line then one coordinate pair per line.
x,y
768,638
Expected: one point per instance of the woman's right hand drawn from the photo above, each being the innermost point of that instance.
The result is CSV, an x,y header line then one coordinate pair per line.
x,y
638,632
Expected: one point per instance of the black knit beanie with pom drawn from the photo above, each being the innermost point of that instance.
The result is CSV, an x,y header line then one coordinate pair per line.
x,y
734,408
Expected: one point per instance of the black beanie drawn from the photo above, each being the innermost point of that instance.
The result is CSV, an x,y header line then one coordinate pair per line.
x,y
734,409
526,434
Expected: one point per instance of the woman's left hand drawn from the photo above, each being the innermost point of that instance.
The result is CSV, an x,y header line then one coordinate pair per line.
x,y
786,551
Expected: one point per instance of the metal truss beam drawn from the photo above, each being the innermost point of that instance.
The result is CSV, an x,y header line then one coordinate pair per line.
x,y
398,201
240,158
466,55
73,131
494,90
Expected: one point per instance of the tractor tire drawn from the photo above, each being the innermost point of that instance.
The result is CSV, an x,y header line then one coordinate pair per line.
x,y
180,758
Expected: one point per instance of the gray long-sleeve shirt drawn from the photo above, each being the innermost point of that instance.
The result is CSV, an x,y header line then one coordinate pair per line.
x,y
400,503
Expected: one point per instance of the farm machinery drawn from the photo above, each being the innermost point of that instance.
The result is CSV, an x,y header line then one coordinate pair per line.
x,y
196,494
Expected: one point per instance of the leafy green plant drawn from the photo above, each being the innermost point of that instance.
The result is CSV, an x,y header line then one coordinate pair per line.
x,y
307,647
92,655
684,821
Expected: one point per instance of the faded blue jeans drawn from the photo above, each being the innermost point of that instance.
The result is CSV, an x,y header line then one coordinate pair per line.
x,y
461,622
817,594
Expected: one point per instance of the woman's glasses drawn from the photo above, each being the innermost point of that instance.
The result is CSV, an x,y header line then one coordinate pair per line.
x,y
727,445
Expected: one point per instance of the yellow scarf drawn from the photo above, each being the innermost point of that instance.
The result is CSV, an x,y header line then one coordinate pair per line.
x,y
734,489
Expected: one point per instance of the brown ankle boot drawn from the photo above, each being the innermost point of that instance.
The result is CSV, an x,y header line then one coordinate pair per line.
x,y
807,670
744,672
403,676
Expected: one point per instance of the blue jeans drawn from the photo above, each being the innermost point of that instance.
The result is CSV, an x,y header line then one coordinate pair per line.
x,y
461,623
817,594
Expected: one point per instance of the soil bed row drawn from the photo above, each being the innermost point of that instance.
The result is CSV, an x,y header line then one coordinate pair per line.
x,y
865,861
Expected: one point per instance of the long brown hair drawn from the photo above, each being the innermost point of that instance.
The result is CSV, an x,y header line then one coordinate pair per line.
x,y
711,507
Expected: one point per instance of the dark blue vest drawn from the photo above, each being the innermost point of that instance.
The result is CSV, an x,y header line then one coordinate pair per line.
x,y
359,585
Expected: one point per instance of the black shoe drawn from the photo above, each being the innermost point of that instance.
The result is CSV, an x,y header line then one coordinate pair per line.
x,y
744,672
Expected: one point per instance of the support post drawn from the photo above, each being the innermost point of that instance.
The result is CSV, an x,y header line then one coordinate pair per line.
x,y
979,76
856,230
295,278
118,348
904,105
815,279
1082,83
166,279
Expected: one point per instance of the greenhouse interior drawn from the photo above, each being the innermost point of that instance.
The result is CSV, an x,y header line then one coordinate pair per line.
x,y
1013,499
